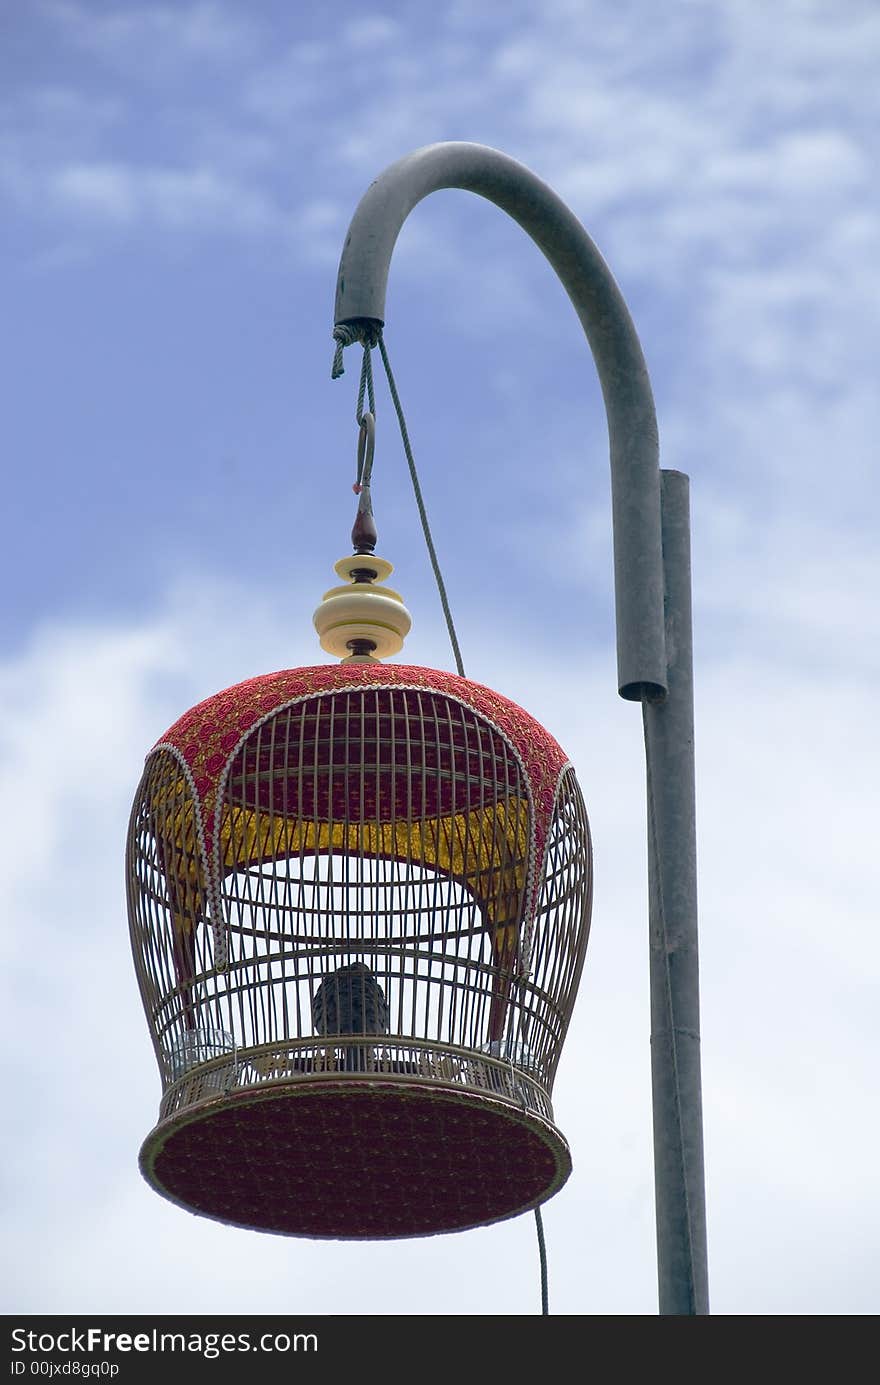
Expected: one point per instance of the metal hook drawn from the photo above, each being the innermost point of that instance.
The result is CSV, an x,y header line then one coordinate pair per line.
x,y
366,448
363,535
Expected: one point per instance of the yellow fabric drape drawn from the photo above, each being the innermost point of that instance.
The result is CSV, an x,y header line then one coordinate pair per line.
x,y
484,849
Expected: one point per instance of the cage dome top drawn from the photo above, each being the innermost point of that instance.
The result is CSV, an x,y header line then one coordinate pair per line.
x,y
209,738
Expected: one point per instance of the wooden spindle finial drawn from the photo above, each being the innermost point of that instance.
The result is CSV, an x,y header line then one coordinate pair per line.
x,y
363,535
362,621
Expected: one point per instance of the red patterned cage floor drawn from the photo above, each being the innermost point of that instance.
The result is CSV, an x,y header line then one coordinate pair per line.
x,y
347,1160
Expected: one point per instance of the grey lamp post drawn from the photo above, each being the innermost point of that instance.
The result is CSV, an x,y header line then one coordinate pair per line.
x,y
653,607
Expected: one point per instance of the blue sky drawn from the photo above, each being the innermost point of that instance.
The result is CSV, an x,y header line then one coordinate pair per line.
x,y
176,182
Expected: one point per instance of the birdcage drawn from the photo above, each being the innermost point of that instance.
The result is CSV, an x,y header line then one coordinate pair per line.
x,y
359,902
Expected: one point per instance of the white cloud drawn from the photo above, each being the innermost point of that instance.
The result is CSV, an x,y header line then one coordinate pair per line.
x,y
719,168
370,31
172,198
100,190
151,37
721,157
797,162
789,971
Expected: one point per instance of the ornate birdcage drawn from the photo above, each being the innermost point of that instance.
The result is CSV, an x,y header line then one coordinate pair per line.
x,y
359,900
359,903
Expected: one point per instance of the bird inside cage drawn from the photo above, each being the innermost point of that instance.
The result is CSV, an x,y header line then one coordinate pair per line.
x,y
351,1001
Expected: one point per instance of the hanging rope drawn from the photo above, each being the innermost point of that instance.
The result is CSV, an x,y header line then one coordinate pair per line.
x,y
423,515
510,1050
345,336
542,1252
365,386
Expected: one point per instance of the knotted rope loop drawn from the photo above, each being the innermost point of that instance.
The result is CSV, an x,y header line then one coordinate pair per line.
x,y
345,334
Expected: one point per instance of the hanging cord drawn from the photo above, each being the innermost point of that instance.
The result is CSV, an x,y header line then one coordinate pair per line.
x,y
510,1049
670,1014
542,1252
423,516
345,336
366,387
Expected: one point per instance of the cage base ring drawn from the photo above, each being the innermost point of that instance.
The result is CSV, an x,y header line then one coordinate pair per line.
x,y
356,1159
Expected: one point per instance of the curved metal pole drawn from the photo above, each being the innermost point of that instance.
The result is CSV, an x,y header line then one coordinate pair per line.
x,y
629,403
652,594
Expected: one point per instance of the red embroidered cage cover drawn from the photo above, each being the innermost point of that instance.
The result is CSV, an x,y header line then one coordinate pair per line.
x,y
359,900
